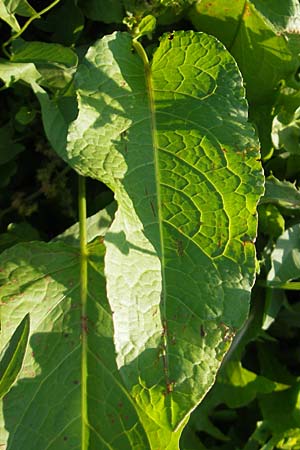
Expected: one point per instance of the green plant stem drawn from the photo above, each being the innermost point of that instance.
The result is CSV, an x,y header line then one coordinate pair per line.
x,y
83,298
26,25
288,285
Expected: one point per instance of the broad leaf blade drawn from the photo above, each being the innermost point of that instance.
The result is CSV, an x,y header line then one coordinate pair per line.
x,y
44,409
11,358
172,140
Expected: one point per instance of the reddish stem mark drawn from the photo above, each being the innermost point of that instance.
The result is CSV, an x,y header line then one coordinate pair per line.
x,y
84,325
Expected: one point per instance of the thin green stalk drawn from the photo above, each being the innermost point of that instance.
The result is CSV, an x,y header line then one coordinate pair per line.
x,y
26,25
84,319
288,285
147,68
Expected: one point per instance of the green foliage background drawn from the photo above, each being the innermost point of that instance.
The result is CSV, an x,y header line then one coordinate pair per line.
x,y
254,403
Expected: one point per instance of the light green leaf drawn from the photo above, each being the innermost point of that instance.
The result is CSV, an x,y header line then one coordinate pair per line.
x,y
282,193
61,375
285,257
12,356
171,139
286,131
146,26
10,72
259,35
20,7
8,17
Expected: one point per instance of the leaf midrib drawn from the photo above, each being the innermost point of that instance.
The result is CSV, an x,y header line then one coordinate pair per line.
x,y
150,92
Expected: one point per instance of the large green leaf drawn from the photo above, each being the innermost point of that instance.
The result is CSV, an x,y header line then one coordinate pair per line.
x,y
172,140
69,393
261,35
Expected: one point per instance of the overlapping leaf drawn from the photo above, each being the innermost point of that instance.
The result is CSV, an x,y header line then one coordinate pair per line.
x,y
11,357
45,409
172,140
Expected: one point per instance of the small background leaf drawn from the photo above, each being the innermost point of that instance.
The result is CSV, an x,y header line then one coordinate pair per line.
x,y
281,193
286,256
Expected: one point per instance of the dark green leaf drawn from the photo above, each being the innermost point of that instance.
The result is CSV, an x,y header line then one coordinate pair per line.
x,y
271,221
43,53
107,11
9,148
65,32
12,356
